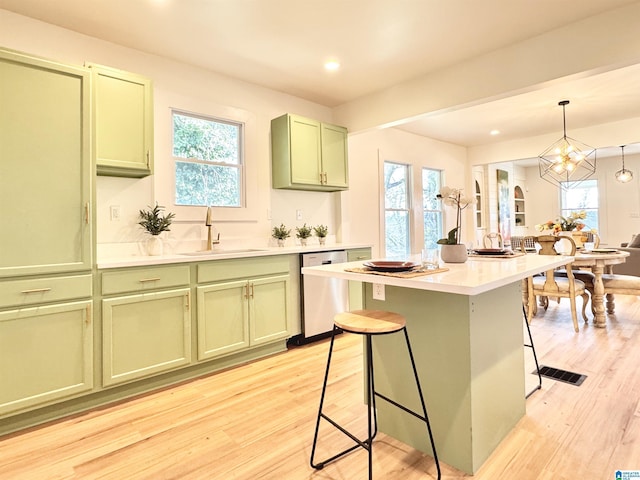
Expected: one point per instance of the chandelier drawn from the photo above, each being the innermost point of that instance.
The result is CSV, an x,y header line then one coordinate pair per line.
x,y
567,162
624,175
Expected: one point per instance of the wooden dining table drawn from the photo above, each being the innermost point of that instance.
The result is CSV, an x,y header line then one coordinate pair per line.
x,y
600,263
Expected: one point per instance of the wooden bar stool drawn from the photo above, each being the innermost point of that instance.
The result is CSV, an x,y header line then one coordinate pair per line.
x,y
369,323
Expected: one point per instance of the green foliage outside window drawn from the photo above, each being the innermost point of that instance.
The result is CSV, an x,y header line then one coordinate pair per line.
x,y
208,161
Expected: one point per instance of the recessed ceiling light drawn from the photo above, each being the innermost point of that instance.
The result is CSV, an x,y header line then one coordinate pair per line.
x,y
332,65
494,132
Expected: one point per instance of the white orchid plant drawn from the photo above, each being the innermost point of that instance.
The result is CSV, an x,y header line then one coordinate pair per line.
x,y
453,197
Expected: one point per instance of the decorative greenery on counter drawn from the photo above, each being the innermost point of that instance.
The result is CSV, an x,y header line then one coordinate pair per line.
x,y
303,231
154,222
321,231
281,232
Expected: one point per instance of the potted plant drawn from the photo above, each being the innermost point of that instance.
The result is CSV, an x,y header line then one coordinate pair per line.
x,y
452,250
321,232
154,222
281,233
303,233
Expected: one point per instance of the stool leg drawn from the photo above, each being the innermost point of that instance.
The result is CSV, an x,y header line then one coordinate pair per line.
x,y
371,405
321,415
424,406
535,357
324,389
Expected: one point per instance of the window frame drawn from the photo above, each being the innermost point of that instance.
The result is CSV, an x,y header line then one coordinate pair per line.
x,y
439,210
164,189
240,165
408,207
565,211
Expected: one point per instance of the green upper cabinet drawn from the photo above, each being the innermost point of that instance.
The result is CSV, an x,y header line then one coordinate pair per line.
x,y
45,169
308,155
123,122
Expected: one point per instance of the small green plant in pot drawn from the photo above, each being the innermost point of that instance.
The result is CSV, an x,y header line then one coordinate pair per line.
x,y
303,233
281,233
321,232
155,222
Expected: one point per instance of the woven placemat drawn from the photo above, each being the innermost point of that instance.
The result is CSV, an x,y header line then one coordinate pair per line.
x,y
419,272
510,255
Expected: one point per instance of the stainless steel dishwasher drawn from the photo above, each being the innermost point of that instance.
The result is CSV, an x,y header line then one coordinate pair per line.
x,y
322,297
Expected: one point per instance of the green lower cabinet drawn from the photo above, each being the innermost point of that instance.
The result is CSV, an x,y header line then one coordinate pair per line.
x,y
145,334
236,315
46,354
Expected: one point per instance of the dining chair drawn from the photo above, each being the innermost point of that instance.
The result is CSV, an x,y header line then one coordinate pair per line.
x,y
517,243
592,237
493,240
550,285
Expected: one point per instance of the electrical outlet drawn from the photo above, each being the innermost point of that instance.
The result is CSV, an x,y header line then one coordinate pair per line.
x,y
298,214
378,291
115,213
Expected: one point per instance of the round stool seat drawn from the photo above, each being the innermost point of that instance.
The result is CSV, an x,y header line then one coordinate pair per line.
x,y
369,321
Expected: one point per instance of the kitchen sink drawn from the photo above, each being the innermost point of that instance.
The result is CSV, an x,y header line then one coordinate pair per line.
x,y
223,252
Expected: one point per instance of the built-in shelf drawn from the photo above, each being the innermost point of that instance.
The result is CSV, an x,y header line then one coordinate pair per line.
x,y
519,207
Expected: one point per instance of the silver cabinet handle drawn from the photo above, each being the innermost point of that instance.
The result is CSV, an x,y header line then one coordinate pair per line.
x,y
143,280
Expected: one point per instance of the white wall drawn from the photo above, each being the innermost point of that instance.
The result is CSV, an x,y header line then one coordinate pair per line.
x,y
362,203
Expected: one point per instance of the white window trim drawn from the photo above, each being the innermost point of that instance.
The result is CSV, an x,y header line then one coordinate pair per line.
x,y
165,163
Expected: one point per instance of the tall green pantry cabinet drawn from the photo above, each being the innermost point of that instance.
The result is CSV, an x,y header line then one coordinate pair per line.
x,y
46,321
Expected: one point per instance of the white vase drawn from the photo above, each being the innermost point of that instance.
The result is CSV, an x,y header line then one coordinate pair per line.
x,y
322,240
303,242
154,245
280,242
453,253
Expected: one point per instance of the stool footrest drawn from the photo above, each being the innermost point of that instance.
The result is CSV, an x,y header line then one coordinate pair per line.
x,y
366,444
401,407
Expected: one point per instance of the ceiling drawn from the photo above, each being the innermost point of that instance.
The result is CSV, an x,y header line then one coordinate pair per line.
x,y
282,45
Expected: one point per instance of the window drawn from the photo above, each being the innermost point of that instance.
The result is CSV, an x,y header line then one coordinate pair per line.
x,y
432,207
578,196
208,161
396,209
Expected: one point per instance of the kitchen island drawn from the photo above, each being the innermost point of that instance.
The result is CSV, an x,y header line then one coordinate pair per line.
x,y
466,330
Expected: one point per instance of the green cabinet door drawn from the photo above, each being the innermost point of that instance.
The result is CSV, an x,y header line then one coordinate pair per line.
x,y
334,156
145,334
223,318
46,354
306,163
269,309
44,166
123,122
237,315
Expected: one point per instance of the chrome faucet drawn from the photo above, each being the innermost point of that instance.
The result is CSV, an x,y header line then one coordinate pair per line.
x,y
210,241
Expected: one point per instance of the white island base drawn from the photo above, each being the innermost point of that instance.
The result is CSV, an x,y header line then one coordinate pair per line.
x,y
470,359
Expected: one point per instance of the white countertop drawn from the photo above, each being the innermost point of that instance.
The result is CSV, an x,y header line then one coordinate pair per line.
x,y
217,254
473,277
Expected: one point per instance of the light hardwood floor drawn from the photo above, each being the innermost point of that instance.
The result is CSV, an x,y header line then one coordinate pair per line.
x,y
257,421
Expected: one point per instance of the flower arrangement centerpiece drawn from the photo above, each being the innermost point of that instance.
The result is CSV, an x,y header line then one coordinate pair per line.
x,y
453,197
565,224
452,250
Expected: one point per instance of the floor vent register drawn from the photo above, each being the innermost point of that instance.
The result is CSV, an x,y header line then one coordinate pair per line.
x,y
562,375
